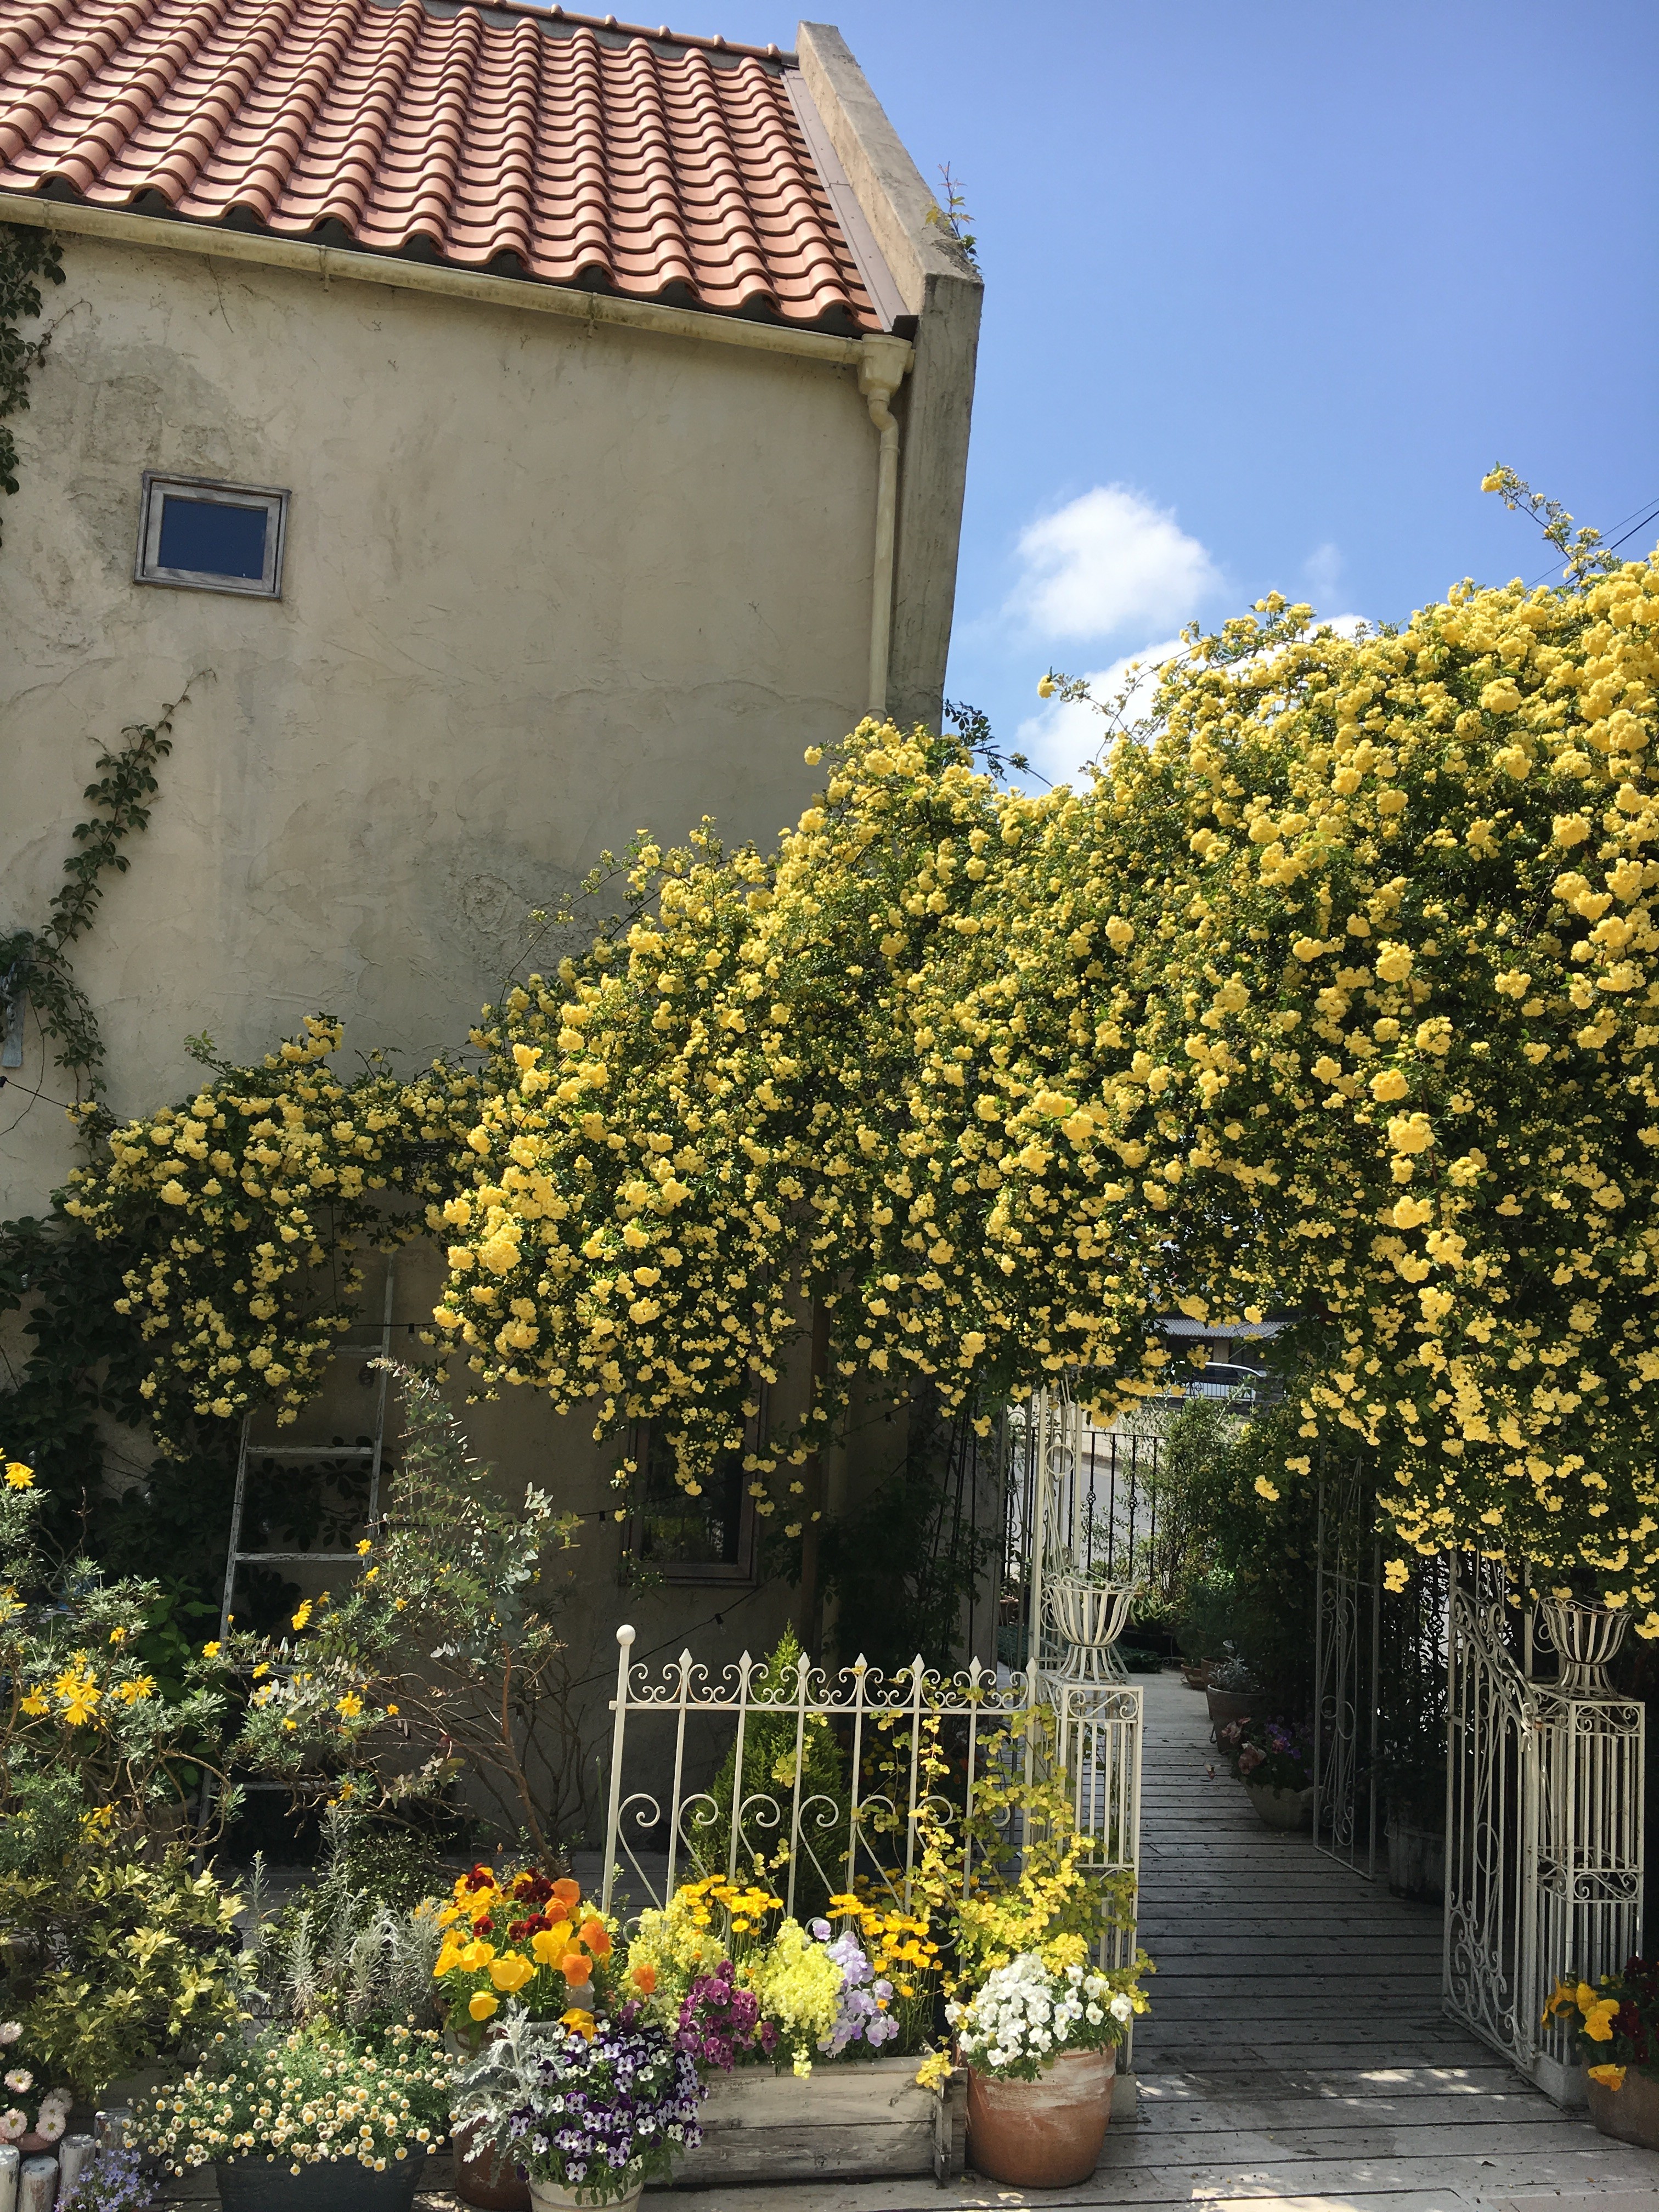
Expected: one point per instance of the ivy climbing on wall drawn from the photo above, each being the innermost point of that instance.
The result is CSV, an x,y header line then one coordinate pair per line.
x,y
34,966
28,258
74,1365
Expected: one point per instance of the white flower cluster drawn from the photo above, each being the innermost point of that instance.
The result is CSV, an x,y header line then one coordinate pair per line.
x,y
1023,2012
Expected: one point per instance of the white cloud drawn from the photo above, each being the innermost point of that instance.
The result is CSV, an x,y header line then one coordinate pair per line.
x,y
1108,561
1322,572
1062,735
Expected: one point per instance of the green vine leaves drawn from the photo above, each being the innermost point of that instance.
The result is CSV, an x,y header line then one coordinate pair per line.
x,y
28,258
35,966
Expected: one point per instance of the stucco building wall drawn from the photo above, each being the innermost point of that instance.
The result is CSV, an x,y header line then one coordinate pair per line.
x,y
544,585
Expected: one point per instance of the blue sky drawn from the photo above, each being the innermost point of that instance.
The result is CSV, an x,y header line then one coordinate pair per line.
x,y
1269,289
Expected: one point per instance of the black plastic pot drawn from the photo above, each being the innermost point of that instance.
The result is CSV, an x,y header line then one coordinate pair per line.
x,y
251,2184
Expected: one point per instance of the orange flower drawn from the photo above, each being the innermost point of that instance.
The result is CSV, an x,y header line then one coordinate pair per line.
x,y
576,1967
568,1892
644,1978
595,1936
555,1909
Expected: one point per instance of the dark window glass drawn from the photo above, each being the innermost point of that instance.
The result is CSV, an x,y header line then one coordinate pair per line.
x,y
208,538
676,1529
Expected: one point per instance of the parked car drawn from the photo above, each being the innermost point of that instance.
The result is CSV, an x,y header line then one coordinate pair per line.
x,y
1243,1386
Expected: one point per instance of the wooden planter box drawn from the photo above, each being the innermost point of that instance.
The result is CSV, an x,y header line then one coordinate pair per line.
x,y
866,2118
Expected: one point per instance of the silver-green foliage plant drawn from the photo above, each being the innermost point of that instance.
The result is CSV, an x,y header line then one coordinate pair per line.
x,y
360,1962
443,1660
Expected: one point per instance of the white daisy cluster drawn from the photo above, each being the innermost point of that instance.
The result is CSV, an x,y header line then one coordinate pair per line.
x,y
1025,2016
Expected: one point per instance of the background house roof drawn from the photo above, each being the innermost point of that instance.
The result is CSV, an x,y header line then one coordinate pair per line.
x,y
527,141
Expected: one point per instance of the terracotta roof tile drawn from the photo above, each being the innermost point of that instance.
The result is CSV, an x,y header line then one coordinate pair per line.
x,y
580,151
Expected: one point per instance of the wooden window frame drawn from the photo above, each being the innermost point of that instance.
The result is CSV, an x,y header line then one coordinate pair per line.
x,y
211,491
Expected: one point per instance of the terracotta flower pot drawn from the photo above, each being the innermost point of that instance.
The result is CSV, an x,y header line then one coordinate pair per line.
x,y
488,2181
1631,2114
1045,2134
1288,1809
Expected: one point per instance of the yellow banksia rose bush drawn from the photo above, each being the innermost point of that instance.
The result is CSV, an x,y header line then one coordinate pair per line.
x,y
1330,989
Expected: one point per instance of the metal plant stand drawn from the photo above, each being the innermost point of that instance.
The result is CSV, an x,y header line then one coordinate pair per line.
x,y
1544,1821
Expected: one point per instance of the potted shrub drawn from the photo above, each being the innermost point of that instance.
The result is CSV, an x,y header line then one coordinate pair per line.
x,y
1616,2032
587,2113
1041,2047
1231,1689
1274,1761
306,2120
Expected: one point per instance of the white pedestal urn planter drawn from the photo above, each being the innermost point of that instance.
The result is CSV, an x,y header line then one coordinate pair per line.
x,y
1089,1618
1046,2134
1583,1638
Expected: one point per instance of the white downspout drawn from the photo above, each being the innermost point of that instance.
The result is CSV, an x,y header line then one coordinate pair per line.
x,y
882,368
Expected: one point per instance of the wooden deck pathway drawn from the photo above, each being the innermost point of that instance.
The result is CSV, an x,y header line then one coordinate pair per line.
x,y
1296,2054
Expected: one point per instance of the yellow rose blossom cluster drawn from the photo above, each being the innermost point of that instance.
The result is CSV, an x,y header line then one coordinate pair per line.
x,y
1331,990
242,1199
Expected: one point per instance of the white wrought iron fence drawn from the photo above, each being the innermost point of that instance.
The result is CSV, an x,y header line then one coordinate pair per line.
x,y
670,1734
912,1745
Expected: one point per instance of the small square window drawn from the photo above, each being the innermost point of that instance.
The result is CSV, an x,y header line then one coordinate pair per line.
x,y
209,536
706,1538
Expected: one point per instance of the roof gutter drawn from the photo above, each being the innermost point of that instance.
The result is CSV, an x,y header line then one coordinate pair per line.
x,y
524,293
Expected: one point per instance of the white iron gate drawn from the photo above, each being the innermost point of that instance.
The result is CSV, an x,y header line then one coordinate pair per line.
x,y
1544,1800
